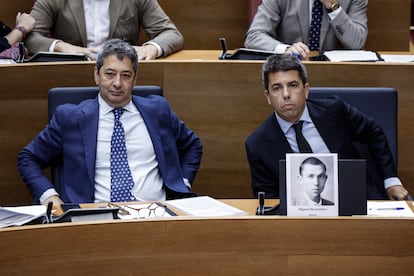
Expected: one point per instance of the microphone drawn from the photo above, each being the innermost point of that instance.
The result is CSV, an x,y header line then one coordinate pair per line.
x,y
260,210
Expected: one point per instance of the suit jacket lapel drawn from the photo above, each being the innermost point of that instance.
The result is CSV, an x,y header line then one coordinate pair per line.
x,y
303,19
114,11
324,27
152,124
325,123
88,124
78,13
277,138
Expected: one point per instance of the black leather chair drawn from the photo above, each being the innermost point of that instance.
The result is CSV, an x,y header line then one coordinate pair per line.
x,y
380,103
62,95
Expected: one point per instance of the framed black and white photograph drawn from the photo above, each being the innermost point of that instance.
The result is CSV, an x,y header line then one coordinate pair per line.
x,y
312,184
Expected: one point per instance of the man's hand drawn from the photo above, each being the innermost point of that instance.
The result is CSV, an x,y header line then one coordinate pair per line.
x,y
57,202
397,192
299,48
146,52
328,3
65,47
25,20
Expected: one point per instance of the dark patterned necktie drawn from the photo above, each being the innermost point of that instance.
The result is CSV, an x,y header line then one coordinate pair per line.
x,y
303,145
121,178
315,27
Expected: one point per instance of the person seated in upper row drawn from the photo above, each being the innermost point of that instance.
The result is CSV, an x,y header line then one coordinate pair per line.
x,y
82,26
285,26
9,38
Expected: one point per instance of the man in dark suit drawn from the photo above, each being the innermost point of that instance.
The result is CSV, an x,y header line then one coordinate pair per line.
x,y
162,153
329,125
81,26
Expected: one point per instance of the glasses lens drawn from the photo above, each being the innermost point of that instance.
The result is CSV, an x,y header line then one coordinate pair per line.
x,y
144,212
159,211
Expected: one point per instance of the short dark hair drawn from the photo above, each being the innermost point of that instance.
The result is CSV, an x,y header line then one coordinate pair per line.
x,y
119,48
283,63
311,161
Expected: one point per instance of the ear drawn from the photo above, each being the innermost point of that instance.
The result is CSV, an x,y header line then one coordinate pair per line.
x,y
136,78
96,75
266,93
306,89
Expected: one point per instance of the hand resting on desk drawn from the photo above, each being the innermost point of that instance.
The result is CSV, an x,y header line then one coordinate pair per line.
x,y
57,202
397,192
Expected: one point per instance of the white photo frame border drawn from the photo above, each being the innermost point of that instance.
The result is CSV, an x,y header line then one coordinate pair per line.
x,y
293,161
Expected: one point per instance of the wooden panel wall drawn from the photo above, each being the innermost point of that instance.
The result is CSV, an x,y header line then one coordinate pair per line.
x,y
204,22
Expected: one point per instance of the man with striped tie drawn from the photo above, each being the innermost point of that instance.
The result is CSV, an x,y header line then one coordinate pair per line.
x,y
116,147
302,26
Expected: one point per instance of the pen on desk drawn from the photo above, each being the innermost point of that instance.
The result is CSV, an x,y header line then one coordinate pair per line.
x,y
391,209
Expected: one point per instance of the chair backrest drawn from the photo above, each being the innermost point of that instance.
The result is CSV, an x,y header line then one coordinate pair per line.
x,y
379,103
62,95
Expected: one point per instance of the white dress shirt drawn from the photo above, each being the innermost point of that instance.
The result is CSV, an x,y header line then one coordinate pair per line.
x,y
309,131
97,21
148,183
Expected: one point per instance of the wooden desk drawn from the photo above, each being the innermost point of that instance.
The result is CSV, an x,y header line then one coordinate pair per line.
x,y
245,245
221,100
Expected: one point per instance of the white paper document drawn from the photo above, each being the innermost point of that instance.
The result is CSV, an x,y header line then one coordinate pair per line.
x,y
7,61
389,208
398,58
204,206
351,55
16,216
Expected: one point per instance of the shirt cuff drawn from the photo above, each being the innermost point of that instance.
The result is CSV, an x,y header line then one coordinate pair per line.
x,y
187,183
52,46
281,48
392,181
334,14
159,50
46,194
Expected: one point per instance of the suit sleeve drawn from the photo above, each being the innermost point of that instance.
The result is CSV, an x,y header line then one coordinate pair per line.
x,y
44,13
367,131
159,27
263,178
351,26
189,147
262,32
43,150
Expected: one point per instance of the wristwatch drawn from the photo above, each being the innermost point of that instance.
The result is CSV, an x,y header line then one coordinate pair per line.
x,y
334,7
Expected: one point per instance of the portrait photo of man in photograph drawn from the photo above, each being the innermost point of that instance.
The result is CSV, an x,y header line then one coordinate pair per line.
x,y
312,180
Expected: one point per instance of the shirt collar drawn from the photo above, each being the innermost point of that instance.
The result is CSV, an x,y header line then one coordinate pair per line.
x,y
310,202
285,125
106,108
